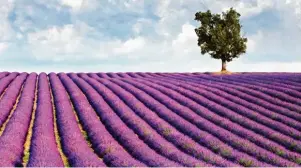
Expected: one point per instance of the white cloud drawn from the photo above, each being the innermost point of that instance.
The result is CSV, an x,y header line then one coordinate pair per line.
x,y
185,43
78,6
253,41
74,4
6,31
3,47
55,43
131,46
141,25
70,43
187,35
251,8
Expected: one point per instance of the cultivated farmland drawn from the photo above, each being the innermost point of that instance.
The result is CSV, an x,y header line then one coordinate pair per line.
x,y
150,119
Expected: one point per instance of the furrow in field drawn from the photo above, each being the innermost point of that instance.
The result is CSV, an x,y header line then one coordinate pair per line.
x,y
285,94
279,80
3,126
253,116
26,153
266,103
262,108
10,100
203,137
228,89
104,144
43,147
17,127
84,133
164,128
269,80
125,135
112,75
74,144
227,136
3,74
131,74
292,84
256,138
265,108
58,139
271,92
122,75
5,82
149,133
275,112
104,75
251,92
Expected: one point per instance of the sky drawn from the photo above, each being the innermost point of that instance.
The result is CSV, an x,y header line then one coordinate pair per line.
x,y
142,35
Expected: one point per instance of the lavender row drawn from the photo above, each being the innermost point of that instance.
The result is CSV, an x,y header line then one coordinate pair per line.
x,y
266,80
202,123
74,145
204,138
43,149
120,130
252,92
185,127
296,78
266,76
292,144
102,141
4,82
295,146
150,135
183,85
251,95
14,135
278,81
112,75
103,75
265,122
270,115
275,93
9,98
274,96
3,74
120,75
283,93
257,139
273,75
260,108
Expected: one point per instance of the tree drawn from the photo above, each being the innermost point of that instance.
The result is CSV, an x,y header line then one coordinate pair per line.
x,y
219,35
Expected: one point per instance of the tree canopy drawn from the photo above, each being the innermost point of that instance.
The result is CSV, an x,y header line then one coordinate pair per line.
x,y
219,35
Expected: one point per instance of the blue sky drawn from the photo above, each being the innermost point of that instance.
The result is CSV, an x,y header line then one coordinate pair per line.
x,y
141,35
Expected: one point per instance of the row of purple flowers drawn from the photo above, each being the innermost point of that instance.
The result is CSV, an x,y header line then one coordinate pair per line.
x,y
43,149
114,116
74,145
102,141
14,134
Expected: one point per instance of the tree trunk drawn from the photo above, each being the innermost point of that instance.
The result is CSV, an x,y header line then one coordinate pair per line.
x,y
224,65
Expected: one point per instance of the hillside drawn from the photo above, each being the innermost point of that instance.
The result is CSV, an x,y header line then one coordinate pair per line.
x,y
150,119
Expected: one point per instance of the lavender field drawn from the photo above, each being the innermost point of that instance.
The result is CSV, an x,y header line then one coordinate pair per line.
x,y
150,119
